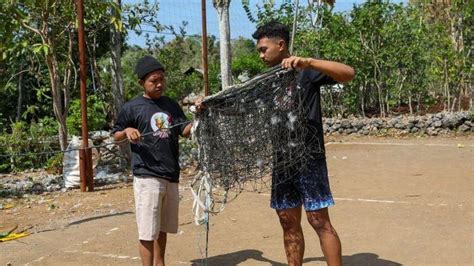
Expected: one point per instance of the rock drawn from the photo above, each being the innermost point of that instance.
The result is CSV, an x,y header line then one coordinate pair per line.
x,y
444,131
462,116
449,121
328,122
37,188
345,123
437,124
432,131
464,128
348,131
393,122
326,128
399,125
413,120
357,125
99,135
53,187
420,124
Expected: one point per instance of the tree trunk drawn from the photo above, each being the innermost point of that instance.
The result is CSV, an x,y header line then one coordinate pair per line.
x,y
60,97
20,94
222,7
362,98
379,94
446,87
409,103
118,91
93,64
418,101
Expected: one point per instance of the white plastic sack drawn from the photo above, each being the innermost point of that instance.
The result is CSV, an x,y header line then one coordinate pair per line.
x,y
71,172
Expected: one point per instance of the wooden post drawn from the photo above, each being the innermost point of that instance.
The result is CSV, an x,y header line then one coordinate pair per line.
x,y
85,164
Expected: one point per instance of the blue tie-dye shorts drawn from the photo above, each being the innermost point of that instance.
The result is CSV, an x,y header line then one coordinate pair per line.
x,y
310,188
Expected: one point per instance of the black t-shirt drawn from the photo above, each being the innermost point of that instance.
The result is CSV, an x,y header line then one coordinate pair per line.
x,y
157,154
310,82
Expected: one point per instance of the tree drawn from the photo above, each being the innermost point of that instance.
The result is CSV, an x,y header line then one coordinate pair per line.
x,y
404,61
117,85
53,22
222,7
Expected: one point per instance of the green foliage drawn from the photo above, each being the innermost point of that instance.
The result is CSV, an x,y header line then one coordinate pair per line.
x,y
250,64
36,137
96,115
245,58
179,84
268,11
129,60
54,163
403,60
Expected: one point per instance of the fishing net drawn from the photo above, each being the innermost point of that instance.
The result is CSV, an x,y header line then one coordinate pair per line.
x,y
250,131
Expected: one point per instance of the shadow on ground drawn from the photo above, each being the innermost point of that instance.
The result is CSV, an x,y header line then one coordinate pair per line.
x,y
250,255
85,220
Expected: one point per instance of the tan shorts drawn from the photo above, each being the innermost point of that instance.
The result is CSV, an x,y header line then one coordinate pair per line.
x,y
156,206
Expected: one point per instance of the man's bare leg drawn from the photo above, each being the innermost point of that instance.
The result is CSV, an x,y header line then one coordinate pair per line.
x,y
328,238
160,247
145,248
293,239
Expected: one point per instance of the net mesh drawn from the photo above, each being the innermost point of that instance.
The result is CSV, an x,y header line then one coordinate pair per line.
x,y
252,130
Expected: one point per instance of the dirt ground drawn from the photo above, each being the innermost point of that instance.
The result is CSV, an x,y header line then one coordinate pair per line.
x,y
398,202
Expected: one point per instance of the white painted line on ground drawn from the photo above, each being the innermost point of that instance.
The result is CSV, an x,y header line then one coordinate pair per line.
x,y
39,259
397,202
114,256
373,200
400,144
385,201
111,230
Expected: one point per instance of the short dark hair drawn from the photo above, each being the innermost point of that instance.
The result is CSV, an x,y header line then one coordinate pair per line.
x,y
271,30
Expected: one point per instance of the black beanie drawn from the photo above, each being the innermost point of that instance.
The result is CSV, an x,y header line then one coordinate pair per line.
x,y
146,65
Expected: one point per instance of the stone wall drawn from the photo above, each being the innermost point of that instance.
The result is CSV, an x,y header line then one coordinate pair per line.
x,y
429,124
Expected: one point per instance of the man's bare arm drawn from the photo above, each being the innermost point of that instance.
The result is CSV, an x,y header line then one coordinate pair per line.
x,y
337,71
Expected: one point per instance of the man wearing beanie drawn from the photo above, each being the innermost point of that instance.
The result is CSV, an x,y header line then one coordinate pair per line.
x,y
153,123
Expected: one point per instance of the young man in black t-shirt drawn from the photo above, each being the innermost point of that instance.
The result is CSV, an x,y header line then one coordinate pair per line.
x,y
153,124
309,187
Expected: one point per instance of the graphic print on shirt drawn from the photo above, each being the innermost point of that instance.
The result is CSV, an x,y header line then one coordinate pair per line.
x,y
161,123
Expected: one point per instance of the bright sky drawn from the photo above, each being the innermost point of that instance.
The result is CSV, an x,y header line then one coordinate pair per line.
x,y
173,12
